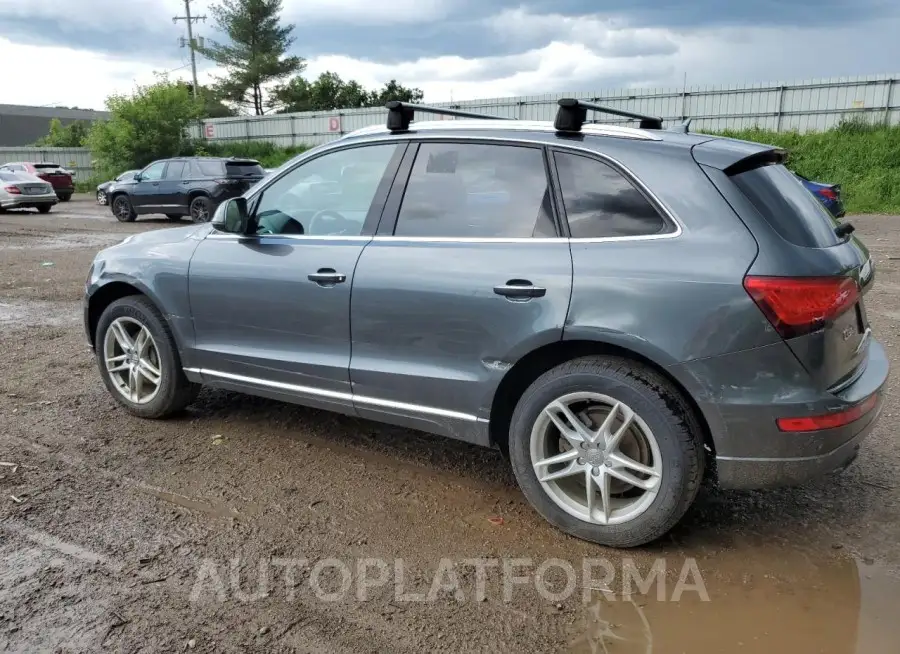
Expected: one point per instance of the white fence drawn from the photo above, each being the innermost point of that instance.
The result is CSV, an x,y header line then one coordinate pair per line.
x,y
77,159
805,106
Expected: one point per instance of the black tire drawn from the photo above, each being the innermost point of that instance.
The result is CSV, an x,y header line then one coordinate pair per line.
x,y
122,209
65,197
175,390
173,216
663,409
201,209
44,208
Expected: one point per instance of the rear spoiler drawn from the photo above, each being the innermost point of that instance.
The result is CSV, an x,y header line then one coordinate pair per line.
x,y
734,157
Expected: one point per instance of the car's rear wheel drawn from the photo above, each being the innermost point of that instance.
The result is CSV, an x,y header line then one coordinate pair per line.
x,y
101,197
122,209
65,197
45,208
139,360
607,450
200,207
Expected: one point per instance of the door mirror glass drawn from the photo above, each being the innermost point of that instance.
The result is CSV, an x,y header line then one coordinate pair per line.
x,y
232,216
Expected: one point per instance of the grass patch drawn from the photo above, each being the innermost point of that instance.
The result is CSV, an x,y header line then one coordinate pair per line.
x,y
862,158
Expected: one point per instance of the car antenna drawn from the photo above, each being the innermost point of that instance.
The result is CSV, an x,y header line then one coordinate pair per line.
x,y
683,128
401,114
572,114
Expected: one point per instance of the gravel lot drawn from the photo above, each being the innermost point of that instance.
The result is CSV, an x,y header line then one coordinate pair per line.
x,y
250,525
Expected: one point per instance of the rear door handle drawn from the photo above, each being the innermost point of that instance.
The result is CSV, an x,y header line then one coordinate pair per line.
x,y
327,277
520,289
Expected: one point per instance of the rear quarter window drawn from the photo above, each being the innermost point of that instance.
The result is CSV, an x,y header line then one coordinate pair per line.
x,y
244,168
210,168
788,206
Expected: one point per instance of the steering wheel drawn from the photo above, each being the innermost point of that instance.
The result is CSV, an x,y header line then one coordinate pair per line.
x,y
333,222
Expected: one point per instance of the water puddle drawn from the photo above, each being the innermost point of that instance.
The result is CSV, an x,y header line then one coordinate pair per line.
x,y
30,313
786,604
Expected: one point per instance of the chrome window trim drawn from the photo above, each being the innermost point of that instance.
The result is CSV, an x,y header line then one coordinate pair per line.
x,y
389,137
338,395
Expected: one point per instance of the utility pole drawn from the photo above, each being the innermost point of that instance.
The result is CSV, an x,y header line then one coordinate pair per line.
x,y
190,42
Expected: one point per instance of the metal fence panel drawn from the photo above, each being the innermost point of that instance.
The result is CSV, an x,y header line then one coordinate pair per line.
x,y
813,105
77,159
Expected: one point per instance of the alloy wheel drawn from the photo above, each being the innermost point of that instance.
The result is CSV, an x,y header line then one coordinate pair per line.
x,y
132,360
200,210
101,197
122,208
596,458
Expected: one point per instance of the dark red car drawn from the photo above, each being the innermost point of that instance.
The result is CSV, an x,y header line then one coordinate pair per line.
x,y
58,177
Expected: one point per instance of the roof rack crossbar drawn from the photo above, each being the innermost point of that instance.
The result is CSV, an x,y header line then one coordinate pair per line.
x,y
572,114
400,114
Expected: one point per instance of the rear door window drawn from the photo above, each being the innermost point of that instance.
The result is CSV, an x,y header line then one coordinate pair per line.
x,y
467,190
601,203
788,207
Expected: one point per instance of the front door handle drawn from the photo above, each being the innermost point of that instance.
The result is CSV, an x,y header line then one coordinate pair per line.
x,y
520,289
327,277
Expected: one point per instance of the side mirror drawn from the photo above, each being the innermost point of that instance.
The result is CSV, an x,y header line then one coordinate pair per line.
x,y
232,217
137,177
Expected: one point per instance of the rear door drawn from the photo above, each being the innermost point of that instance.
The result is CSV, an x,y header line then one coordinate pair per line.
x,y
467,274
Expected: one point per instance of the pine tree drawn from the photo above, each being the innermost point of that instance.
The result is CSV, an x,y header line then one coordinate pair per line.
x,y
256,53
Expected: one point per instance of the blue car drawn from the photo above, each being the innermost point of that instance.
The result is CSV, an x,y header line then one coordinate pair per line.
x,y
828,194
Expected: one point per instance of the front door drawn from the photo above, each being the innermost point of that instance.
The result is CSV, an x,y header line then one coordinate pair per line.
x,y
271,311
472,277
145,194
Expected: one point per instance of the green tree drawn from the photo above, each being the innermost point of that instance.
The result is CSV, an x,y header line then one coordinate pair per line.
x,y
147,125
72,135
329,91
256,54
212,103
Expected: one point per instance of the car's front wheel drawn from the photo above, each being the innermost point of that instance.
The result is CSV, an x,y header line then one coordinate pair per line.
x,y
200,209
139,360
101,198
607,450
122,209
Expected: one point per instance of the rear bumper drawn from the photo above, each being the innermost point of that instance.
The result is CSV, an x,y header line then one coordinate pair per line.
x,y
29,201
751,452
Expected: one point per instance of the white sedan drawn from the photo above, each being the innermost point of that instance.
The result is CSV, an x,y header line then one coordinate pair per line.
x,y
22,191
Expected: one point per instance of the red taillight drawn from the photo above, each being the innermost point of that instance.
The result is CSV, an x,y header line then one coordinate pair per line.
x,y
828,193
799,305
829,420
13,190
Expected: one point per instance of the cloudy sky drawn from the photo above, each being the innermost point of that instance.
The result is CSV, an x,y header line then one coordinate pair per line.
x,y
80,51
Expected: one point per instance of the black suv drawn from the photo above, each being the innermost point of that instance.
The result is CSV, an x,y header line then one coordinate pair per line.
x,y
184,186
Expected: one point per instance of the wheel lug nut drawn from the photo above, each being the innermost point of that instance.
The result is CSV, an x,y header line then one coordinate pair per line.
x,y
580,461
596,471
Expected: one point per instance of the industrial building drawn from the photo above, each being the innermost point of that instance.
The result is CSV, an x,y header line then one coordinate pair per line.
x,y
21,125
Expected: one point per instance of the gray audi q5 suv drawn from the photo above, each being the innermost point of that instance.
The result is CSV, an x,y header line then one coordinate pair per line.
x,y
622,311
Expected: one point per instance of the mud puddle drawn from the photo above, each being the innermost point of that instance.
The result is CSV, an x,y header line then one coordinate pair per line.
x,y
764,603
30,313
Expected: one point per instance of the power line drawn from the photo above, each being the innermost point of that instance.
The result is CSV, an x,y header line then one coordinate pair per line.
x,y
190,20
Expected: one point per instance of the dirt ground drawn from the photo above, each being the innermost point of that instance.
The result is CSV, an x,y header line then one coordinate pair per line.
x,y
249,525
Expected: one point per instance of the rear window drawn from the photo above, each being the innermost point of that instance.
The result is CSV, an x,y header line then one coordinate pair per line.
x,y
12,177
244,168
788,207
